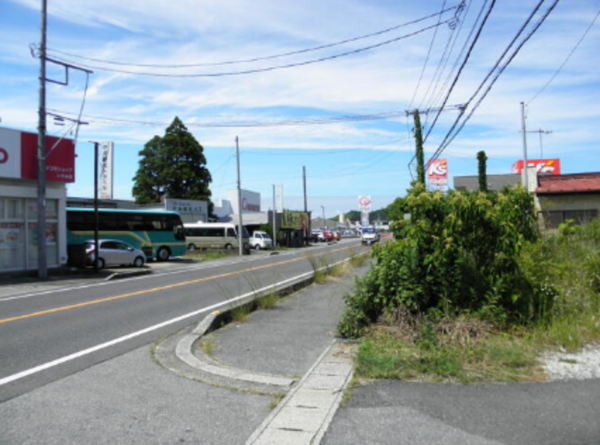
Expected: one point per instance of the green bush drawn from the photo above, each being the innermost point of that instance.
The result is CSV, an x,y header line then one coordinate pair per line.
x,y
459,252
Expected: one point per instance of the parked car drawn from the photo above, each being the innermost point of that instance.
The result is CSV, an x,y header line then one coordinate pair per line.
x,y
369,236
261,240
336,235
328,235
317,236
113,253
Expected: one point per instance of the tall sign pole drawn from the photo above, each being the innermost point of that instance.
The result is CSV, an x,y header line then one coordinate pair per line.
x,y
524,130
41,174
239,190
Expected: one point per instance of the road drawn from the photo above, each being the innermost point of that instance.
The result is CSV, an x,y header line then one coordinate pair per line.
x,y
48,335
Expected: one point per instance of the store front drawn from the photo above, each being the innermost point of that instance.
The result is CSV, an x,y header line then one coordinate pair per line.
x,y
18,200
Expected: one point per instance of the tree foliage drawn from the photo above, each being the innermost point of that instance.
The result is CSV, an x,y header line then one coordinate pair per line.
x,y
172,166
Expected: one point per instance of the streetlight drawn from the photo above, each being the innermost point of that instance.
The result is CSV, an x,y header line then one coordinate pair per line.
x,y
324,223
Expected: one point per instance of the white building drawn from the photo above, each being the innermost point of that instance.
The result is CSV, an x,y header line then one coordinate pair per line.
x,y
18,200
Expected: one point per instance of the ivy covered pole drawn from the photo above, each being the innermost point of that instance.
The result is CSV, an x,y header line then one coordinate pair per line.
x,y
419,149
482,166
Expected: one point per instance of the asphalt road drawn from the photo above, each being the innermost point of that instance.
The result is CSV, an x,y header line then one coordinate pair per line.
x,y
45,336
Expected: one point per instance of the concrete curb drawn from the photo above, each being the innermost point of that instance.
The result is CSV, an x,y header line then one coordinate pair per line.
x,y
120,275
206,369
303,416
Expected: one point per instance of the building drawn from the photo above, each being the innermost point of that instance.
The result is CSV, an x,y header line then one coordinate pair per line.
x,y
564,197
495,182
18,199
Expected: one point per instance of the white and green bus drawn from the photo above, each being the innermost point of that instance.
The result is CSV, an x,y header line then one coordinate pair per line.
x,y
159,234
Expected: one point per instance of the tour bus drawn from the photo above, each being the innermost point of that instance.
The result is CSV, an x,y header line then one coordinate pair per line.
x,y
159,234
205,235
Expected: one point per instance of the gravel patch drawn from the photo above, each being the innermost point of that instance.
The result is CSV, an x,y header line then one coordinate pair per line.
x,y
581,365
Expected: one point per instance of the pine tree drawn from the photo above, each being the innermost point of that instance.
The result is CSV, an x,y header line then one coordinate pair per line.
x,y
173,166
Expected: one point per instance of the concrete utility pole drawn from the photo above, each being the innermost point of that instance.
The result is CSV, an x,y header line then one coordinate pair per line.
x,y
524,130
324,223
41,174
305,206
96,215
274,220
540,131
239,190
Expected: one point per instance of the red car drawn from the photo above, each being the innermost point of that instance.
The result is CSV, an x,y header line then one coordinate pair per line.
x,y
328,235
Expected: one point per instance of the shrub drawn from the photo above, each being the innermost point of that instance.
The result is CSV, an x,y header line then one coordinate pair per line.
x,y
459,252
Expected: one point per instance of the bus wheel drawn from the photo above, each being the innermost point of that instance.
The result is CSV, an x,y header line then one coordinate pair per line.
x,y
192,247
228,247
163,254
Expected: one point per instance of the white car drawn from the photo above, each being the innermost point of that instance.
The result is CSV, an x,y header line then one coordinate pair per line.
x,y
369,236
261,240
114,253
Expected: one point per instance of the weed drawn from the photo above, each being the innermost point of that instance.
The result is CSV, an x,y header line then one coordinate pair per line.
x,y
207,345
277,398
268,301
240,313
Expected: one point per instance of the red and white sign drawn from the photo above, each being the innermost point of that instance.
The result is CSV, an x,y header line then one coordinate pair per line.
x,y
437,172
18,156
364,203
545,166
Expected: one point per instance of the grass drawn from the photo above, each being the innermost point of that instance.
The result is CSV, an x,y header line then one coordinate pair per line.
x,y
496,357
468,350
268,301
208,255
239,314
207,345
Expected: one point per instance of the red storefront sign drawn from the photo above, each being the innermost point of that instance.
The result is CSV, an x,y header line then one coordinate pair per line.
x,y
18,156
437,172
546,166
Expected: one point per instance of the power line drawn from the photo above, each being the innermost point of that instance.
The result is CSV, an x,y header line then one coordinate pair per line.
x,y
449,136
262,70
257,59
253,124
566,60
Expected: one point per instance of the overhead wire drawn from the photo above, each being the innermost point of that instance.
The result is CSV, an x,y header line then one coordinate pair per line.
x,y
557,72
453,132
257,59
260,70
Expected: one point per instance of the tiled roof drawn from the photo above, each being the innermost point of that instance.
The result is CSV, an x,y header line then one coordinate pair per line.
x,y
575,183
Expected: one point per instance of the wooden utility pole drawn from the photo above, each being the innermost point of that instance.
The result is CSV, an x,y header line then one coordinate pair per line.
x,y
419,148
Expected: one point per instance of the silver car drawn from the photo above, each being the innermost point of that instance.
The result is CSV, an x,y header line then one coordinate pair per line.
x,y
114,253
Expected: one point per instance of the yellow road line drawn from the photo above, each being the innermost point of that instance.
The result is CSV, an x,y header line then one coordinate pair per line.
x,y
157,289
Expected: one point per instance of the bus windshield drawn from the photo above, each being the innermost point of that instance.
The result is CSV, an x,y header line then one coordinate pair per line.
x,y
159,234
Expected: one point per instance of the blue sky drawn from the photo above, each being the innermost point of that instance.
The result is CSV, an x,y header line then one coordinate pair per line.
x,y
344,158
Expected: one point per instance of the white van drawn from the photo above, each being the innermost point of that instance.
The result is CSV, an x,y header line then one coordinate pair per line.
x,y
261,240
203,235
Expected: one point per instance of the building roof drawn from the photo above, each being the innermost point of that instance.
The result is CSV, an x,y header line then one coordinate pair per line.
x,y
574,183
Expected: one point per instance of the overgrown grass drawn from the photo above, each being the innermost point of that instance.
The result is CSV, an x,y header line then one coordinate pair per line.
x,y
478,347
268,301
207,345
240,314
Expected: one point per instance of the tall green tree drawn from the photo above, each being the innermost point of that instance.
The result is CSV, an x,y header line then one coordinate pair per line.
x,y
173,166
482,167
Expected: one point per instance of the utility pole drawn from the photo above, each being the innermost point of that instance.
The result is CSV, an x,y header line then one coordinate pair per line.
x,y
419,149
96,216
41,174
324,223
524,130
274,220
306,229
239,190
540,131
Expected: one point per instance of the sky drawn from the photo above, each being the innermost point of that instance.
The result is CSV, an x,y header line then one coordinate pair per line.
x,y
329,91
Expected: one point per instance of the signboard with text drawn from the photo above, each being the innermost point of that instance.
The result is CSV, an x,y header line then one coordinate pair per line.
x,y
544,166
437,172
106,170
18,156
294,220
